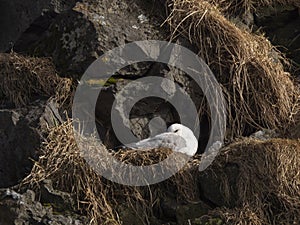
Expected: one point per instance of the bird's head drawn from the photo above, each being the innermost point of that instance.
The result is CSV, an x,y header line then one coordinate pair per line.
x,y
180,130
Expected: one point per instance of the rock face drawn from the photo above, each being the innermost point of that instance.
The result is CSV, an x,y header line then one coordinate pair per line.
x,y
17,209
19,143
70,40
212,191
21,135
17,16
148,116
282,26
76,37
181,213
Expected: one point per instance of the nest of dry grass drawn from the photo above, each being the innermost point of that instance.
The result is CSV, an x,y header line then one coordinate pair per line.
x,y
267,188
95,196
259,93
61,162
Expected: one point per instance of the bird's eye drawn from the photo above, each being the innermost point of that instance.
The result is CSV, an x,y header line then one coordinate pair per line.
x,y
176,131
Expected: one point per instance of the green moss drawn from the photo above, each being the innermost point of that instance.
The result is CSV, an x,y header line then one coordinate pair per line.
x,y
208,221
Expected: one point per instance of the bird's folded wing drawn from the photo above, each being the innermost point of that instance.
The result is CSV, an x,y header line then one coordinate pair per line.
x,y
165,140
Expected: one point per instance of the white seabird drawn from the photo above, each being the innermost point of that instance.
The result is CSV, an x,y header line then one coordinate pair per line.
x,y
178,137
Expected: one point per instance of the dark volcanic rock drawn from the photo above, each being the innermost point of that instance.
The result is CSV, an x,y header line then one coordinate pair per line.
x,y
61,201
212,188
69,40
148,116
181,213
76,37
19,142
282,26
17,209
17,16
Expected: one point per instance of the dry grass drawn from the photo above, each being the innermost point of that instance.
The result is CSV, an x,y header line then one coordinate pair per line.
x,y
258,3
267,189
24,77
64,94
61,162
99,198
243,7
245,215
258,90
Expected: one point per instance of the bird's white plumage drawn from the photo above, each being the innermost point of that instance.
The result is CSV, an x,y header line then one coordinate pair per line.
x,y
178,137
